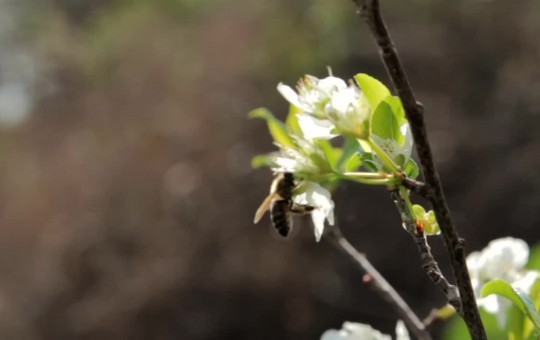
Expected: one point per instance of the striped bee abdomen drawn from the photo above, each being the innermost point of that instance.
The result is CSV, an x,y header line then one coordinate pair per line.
x,y
281,217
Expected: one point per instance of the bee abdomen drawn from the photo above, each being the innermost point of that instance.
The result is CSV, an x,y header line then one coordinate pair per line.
x,y
281,218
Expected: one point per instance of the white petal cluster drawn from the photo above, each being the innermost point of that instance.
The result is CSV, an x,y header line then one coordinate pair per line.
x,y
328,104
293,160
360,331
504,259
318,197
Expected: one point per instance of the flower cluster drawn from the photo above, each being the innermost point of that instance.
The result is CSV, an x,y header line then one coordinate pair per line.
x,y
371,123
503,259
328,105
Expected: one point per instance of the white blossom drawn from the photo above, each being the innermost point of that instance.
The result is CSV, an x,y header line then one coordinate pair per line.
x,y
360,331
401,331
393,148
354,331
332,104
312,94
349,111
504,259
315,128
292,160
320,199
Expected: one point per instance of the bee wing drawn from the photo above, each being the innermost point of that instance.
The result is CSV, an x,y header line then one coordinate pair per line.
x,y
263,208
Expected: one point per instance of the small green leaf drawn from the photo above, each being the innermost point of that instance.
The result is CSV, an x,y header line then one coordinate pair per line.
x,y
411,169
383,122
261,161
397,108
534,258
349,155
368,162
457,330
535,293
277,129
331,154
514,323
292,121
418,210
388,118
374,90
521,300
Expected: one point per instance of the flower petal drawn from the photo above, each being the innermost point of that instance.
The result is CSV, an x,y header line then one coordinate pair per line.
x,y
318,216
315,128
401,331
503,258
319,198
331,84
288,93
525,282
355,331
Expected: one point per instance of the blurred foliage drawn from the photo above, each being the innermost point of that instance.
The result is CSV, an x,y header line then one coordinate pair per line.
x,y
127,196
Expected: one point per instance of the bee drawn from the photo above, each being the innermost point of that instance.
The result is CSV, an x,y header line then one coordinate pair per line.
x,y
281,205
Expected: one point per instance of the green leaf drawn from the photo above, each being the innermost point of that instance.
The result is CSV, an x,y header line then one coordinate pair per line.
x,y
411,169
368,162
397,108
534,258
349,159
277,129
457,330
383,122
374,90
388,118
418,210
521,300
261,161
291,122
514,323
331,154
535,293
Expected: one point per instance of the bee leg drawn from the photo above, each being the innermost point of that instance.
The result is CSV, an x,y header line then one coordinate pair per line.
x,y
300,208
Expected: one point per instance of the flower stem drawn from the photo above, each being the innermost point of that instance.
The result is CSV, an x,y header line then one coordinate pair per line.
x,y
376,178
403,192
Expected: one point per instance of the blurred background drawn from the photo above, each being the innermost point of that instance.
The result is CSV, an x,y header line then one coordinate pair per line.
x,y
126,192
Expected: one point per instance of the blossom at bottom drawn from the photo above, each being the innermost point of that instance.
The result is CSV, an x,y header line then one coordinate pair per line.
x,y
505,259
360,331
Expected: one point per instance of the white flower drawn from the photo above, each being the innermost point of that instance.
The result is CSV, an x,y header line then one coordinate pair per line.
x,y
332,104
526,281
292,160
349,111
355,331
504,259
312,93
319,198
360,331
393,148
401,331
315,128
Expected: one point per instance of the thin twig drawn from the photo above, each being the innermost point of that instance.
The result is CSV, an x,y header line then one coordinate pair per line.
x,y
369,10
434,317
426,257
380,285
417,187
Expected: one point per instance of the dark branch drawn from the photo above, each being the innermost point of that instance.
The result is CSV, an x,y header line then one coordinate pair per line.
x,y
369,10
376,281
426,257
417,187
